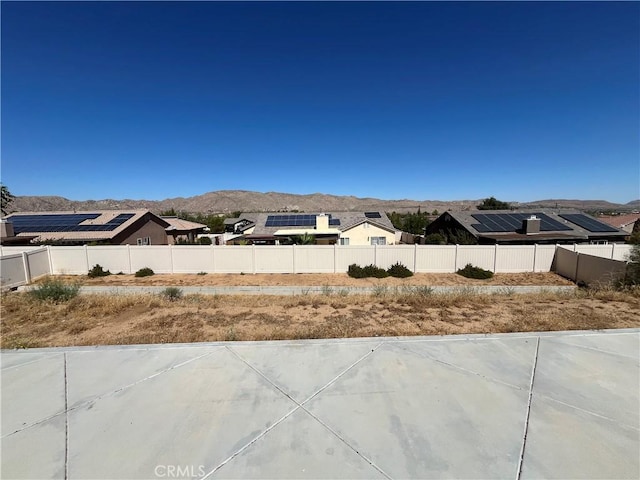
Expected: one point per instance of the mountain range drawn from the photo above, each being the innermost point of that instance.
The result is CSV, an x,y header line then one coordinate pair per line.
x,y
227,201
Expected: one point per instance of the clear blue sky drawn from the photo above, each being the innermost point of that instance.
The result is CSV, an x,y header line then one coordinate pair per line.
x,y
419,100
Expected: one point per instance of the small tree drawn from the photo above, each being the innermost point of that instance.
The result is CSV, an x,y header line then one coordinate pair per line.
x,y
492,204
6,199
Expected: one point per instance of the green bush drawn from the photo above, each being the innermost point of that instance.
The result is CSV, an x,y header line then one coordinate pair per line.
x,y
97,271
171,293
398,270
144,272
55,290
356,271
470,271
204,241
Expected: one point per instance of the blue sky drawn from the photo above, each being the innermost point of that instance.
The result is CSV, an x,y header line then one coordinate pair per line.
x,y
419,100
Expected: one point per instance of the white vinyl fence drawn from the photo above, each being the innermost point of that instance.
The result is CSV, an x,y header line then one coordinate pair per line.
x,y
20,264
588,269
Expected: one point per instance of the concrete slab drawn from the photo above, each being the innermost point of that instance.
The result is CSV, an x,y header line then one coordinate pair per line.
x,y
508,360
32,392
9,359
599,382
91,374
563,442
194,416
416,418
301,369
298,447
36,452
626,344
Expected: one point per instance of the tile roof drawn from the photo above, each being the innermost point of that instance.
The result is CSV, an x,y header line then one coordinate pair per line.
x,y
347,220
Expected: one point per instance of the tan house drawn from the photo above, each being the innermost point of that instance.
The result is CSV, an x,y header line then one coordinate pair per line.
x,y
115,227
183,230
328,228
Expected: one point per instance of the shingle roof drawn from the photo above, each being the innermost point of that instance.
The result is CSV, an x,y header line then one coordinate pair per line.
x,y
181,224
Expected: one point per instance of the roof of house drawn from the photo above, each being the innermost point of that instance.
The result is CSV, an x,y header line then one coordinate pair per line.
x,y
77,226
506,224
180,224
338,221
234,220
620,221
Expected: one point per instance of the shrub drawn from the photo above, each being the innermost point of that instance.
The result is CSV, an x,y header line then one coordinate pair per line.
x,y
97,271
398,270
171,293
204,241
470,271
144,272
55,290
356,271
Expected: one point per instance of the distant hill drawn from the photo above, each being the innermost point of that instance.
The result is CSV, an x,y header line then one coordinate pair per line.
x,y
227,201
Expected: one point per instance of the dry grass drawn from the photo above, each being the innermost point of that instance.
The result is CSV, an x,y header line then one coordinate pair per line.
x,y
144,319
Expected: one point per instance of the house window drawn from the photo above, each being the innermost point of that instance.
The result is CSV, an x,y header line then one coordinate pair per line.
x,y
344,241
143,241
378,240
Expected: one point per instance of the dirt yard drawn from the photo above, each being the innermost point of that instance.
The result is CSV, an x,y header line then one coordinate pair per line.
x,y
143,319
320,279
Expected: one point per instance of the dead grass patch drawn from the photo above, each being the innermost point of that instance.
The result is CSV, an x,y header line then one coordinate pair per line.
x,y
143,319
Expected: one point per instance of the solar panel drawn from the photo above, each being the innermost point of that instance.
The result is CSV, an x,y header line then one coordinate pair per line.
x,y
65,222
512,222
295,221
372,214
588,223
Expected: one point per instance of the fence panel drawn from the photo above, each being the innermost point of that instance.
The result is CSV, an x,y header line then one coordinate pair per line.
x,y
112,258
360,255
233,259
38,263
603,251
387,255
69,260
514,259
12,272
315,258
597,270
477,255
276,259
192,259
621,251
18,249
157,258
544,257
435,258
566,263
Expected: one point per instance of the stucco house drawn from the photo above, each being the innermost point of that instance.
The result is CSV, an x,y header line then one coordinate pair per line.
x,y
115,227
510,227
327,228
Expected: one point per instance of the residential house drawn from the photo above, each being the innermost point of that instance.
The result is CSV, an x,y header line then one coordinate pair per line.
x,y
523,227
328,228
115,227
183,230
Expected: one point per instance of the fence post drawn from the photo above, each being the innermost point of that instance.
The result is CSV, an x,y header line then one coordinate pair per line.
x,y
50,259
293,254
455,261
415,257
375,255
335,258
535,256
213,257
575,277
495,257
171,257
86,256
27,270
129,257
613,250
253,257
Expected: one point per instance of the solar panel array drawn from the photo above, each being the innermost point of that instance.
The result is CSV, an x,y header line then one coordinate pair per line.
x,y
296,221
588,223
511,222
65,222
372,214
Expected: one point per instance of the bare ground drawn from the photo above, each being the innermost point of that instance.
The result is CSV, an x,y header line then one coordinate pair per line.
x,y
144,319
320,279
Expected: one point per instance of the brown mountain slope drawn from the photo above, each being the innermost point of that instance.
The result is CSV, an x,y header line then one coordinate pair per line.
x,y
226,201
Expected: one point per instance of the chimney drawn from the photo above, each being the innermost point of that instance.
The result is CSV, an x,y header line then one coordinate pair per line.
x,y
322,222
531,225
6,229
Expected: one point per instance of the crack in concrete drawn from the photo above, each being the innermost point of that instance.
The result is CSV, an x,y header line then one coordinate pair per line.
x,y
526,420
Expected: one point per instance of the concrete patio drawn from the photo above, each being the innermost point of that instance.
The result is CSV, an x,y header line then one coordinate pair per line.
x,y
548,405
